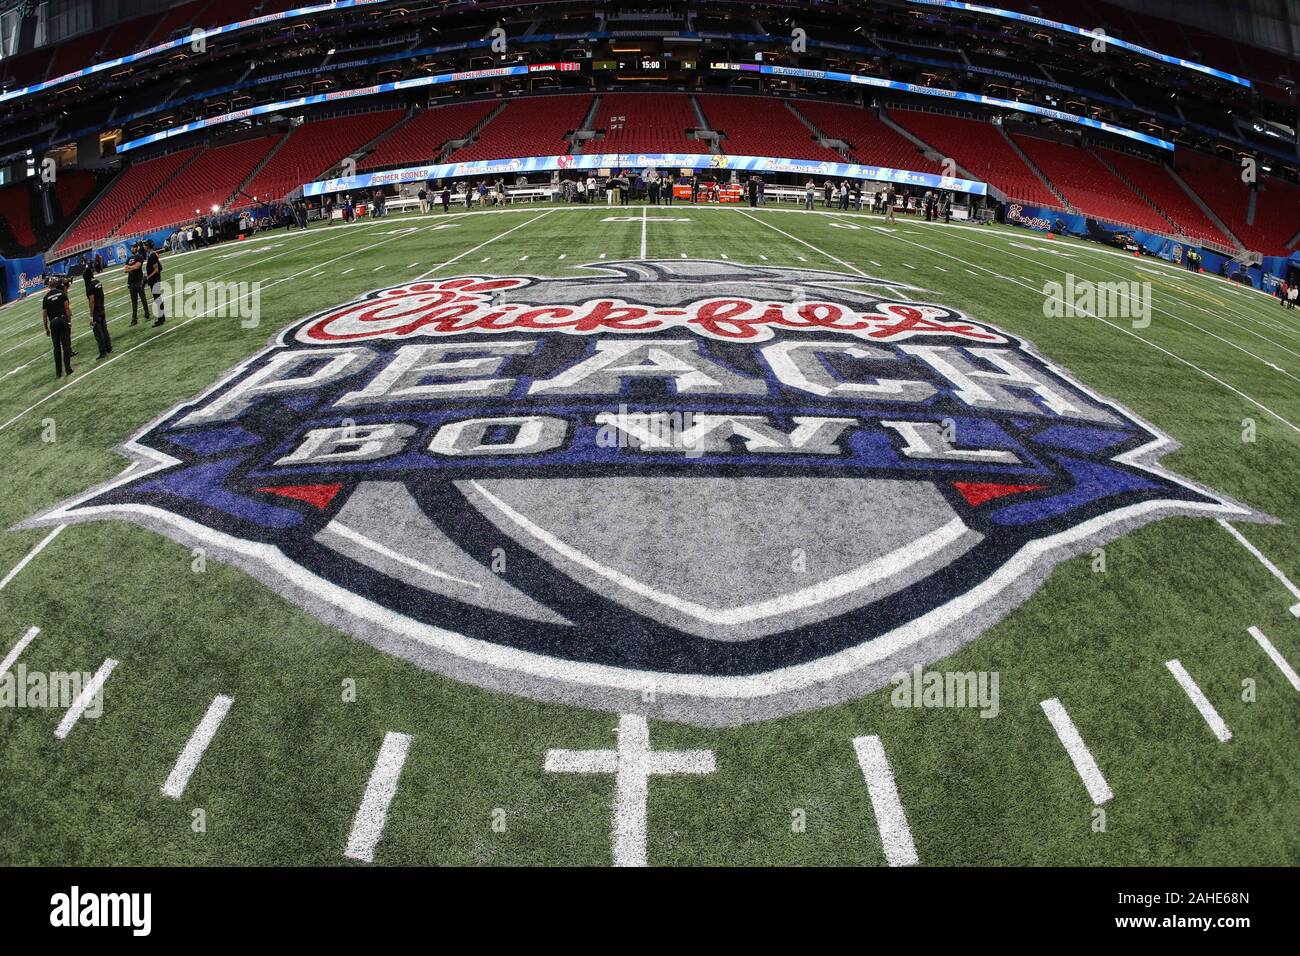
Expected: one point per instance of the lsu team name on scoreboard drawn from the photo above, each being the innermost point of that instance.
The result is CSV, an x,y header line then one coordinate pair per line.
x,y
590,489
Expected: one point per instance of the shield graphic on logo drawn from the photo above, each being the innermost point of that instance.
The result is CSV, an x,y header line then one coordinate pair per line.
x,y
700,490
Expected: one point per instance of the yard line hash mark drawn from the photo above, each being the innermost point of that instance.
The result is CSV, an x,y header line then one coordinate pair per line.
x,y
1276,657
88,693
196,746
27,559
1199,700
1259,556
891,821
1079,753
17,649
632,764
368,825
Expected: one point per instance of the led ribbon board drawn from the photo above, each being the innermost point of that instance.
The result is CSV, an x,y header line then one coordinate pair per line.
x,y
325,98
828,75
1079,31
720,163
183,41
835,77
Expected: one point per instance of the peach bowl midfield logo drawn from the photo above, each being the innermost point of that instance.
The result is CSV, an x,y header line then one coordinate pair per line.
x,y
698,490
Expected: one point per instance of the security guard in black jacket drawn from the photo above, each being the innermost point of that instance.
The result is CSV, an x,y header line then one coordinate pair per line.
x,y
135,282
98,321
153,275
56,310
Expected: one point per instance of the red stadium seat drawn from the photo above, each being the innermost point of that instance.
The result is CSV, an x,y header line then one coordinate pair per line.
x,y
762,126
870,141
313,148
529,127
124,195
209,181
645,123
980,147
1218,183
16,213
76,54
421,140
1089,186
1154,182
172,20
72,188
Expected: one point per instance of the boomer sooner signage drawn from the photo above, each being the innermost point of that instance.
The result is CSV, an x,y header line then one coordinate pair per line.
x,y
704,491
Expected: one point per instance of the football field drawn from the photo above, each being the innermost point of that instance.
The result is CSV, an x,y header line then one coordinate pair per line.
x,y
1147,710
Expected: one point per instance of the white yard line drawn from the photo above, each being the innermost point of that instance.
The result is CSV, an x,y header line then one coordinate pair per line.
x,y
1065,270
196,746
1080,756
1259,556
822,252
1160,348
486,242
1276,657
644,220
368,825
633,763
17,649
1199,700
175,326
30,554
84,699
891,821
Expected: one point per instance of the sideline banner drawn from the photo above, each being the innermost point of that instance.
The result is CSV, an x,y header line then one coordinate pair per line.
x,y
1162,247
114,252
21,277
705,161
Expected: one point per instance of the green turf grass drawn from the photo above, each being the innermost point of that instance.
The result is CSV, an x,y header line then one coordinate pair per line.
x,y
285,773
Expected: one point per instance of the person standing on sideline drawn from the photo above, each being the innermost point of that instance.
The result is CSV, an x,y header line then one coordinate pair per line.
x,y
153,276
446,198
135,283
889,203
98,320
56,311
809,195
